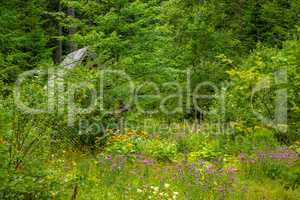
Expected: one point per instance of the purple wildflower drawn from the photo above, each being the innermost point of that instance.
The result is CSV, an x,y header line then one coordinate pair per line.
x,y
243,156
280,153
147,162
232,170
210,169
221,189
231,179
109,157
180,171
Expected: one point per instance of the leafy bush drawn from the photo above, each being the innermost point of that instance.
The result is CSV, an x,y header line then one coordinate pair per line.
x,y
255,84
257,140
125,143
160,149
264,168
291,177
190,142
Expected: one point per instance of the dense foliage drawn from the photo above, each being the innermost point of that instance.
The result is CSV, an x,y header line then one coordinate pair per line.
x,y
124,123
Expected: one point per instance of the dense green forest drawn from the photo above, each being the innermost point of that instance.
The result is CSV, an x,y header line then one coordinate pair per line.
x,y
150,99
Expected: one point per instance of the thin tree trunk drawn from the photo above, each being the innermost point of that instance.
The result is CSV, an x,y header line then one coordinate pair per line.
x,y
72,30
59,49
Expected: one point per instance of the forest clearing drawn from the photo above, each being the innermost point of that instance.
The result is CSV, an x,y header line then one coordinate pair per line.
x,y
150,99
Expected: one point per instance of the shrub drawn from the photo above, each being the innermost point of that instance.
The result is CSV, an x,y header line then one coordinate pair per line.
x,y
255,88
160,149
